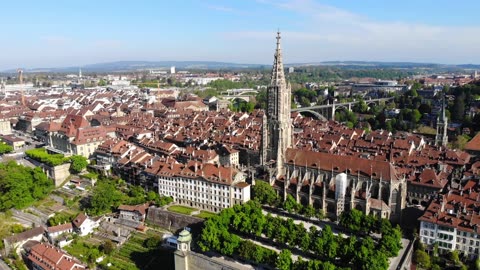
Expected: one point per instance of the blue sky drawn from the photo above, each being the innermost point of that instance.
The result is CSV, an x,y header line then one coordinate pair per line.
x,y
51,33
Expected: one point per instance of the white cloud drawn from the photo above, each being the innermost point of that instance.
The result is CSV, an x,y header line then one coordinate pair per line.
x,y
221,8
107,44
55,40
330,33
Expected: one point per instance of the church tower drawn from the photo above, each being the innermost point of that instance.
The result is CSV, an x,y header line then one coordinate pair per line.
x,y
277,126
441,139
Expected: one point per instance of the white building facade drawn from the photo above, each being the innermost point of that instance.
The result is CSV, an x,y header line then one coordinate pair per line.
x,y
205,192
450,238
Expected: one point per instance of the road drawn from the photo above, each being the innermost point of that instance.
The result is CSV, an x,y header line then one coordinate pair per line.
x,y
396,260
19,154
3,265
307,224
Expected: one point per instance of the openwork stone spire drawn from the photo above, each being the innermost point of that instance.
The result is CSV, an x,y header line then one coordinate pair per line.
x,y
278,76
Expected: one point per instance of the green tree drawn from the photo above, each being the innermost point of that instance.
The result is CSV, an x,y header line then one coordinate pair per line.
x,y
21,186
458,110
425,108
108,247
454,256
290,204
264,193
390,243
41,155
247,250
319,214
330,243
102,82
5,148
163,200
360,106
152,195
60,218
152,242
308,211
378,260
460,142
137,195
79,163
105,196
416,116
92,254
352,220
422,258
261,99
284,260
348,248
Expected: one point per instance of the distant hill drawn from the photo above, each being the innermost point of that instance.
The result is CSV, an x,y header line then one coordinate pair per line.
x,y
143,65
122,66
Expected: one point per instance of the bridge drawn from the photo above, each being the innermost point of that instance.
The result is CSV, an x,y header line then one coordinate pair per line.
x,y
239,91
328,110
247,98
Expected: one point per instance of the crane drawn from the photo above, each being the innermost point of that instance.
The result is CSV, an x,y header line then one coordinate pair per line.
x,y
20,80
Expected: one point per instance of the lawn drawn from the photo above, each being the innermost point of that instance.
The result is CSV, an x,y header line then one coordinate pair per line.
x,y
205,214
80,248
133,255
181,209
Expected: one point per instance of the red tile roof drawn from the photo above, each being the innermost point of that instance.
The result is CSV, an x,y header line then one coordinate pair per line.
x,y
474,144
339,163
49,257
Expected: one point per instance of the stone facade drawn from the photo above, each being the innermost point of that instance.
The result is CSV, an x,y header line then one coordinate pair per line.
x,y
5,127
442,126
58,173
277,125
172,221
205,186
373,187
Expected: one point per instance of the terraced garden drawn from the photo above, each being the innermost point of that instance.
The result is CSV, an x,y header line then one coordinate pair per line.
x,y
181,209
205,214
134,255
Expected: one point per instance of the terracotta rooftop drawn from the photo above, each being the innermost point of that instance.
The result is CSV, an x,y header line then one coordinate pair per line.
x,y
339,163
474,144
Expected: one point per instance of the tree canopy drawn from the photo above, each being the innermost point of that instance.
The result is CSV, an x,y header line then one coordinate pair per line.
x,y
264,193
41,155
5,148
108,194
78,163
21,186
324,248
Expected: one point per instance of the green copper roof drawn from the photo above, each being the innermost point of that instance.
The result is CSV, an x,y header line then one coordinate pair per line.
x,y
184,236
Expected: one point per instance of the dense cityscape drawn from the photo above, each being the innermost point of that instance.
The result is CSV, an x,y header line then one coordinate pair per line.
x,y
216,165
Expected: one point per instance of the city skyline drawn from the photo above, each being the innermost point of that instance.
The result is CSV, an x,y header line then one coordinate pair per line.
x,y
56,34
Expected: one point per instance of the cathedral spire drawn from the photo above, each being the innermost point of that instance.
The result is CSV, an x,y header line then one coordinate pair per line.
x,y
278,76
277,127
441,138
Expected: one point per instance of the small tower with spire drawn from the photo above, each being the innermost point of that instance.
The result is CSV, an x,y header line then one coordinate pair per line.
x,y
183,248
79,73
2,88
441,139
